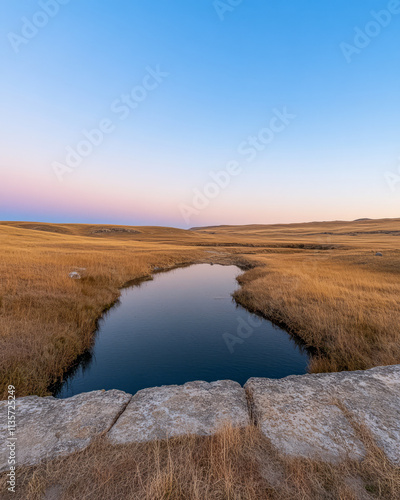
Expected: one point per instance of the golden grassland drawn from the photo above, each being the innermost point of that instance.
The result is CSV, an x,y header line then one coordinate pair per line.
x,y
232,465
48,319
346,306
321,280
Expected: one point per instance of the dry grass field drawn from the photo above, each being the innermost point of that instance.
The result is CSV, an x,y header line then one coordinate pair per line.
x,y
47,318
233,465
321,280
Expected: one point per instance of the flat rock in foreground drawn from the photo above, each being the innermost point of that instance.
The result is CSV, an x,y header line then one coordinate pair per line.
x,y
297,414
49,427
199,408
302,415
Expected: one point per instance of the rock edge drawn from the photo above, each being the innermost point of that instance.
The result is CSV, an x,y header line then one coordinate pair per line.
x,y
302,416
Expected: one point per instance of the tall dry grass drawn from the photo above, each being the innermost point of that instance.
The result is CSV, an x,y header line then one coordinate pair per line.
x,y
46,318
233,465
344,305
322,281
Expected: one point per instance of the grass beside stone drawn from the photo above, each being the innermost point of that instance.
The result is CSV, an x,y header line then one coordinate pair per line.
x,y
234,464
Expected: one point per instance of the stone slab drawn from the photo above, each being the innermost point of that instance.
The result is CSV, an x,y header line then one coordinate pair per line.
x,y
49,427
372,397
298,416
199,408
301,415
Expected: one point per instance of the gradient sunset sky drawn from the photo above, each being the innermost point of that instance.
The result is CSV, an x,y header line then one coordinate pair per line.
x,y
214,76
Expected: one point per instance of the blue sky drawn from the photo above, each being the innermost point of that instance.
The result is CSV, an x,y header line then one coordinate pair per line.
x,y
224,81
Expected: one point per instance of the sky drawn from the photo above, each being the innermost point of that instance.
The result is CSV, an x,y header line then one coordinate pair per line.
x,y
200,112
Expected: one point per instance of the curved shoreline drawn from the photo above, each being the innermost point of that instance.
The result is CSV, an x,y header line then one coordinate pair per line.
x,y
77,369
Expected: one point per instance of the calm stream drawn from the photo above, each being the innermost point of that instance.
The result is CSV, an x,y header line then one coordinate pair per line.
x,y
183,326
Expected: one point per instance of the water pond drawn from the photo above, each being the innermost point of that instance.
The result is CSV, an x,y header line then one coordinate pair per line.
x,y
182,326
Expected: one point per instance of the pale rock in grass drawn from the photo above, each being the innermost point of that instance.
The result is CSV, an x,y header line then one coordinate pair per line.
x,y
47,427
199,408
74,275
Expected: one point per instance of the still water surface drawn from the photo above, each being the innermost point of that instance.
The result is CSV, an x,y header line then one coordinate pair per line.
x,y
183,326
